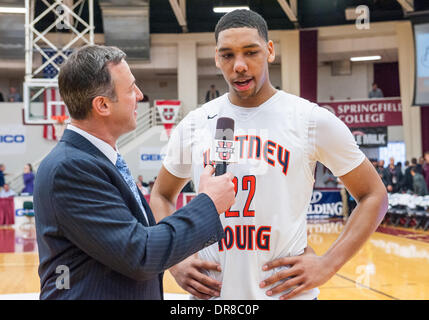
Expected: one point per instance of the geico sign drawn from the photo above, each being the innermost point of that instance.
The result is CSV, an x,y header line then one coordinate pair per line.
x,y
9,138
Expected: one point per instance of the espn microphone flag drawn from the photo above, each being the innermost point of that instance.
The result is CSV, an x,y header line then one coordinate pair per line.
x,y
168,111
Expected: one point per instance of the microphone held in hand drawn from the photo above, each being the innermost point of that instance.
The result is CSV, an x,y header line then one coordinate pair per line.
x,y
223,144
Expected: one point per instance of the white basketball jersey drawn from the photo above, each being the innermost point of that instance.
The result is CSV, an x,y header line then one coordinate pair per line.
x,y
276,154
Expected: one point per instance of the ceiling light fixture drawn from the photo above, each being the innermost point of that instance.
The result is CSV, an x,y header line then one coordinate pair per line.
x,y
12,10
225,9
367,58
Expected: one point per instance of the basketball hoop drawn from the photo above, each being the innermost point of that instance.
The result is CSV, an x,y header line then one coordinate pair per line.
x,y
60,125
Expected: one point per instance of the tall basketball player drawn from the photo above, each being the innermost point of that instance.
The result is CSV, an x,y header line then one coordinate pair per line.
x,y
279,138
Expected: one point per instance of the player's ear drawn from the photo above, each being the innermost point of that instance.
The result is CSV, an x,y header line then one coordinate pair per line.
x,y
216,60
271,52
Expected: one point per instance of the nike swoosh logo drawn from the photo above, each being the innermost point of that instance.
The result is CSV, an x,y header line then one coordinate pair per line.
x,y
208,117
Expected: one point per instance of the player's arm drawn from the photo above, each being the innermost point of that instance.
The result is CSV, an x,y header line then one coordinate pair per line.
x,y
186,273
366,187
164,194
309,270
336,148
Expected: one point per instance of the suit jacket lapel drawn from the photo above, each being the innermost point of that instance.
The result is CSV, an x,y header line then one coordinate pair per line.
x,y
82,143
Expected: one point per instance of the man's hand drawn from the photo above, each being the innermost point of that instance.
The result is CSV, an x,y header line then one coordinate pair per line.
x,y
220,189
306,272
188,274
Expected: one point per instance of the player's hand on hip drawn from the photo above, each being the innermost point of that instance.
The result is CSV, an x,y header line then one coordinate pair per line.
x,y
305,272
220,189
188,275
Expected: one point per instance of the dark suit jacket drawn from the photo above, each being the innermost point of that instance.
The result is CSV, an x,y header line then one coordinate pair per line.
x,y
88,220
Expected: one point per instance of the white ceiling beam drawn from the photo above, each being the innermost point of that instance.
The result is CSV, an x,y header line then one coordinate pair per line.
x,y
179,9
288,9
182,4
407,5
294,7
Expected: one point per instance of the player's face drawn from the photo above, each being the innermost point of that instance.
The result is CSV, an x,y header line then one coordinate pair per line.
x,y
124,108
243,57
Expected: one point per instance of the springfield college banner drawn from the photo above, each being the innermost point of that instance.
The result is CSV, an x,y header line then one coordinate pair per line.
x,y
367,113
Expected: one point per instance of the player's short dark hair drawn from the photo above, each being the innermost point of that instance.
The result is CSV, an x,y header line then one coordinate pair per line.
x,y
242,18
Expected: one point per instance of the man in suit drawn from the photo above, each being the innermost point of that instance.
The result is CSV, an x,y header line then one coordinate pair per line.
x,y
96,234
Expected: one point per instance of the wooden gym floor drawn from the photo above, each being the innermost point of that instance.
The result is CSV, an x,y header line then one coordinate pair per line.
x,y
392,265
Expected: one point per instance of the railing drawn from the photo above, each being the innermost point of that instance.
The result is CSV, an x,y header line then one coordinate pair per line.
x,y
146,120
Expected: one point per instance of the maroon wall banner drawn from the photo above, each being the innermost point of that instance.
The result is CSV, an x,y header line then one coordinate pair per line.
x,y
367,113
308,64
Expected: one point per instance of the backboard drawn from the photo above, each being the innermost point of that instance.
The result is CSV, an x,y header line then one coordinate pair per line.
x,y
42,101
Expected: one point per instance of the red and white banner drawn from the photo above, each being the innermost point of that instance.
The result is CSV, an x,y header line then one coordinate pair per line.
x,y
367,113
53,106
168,111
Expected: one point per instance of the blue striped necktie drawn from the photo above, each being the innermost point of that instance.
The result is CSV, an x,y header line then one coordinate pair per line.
x,y
125,172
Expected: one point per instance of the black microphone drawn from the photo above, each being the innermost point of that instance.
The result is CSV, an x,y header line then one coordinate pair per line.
x,y
224,144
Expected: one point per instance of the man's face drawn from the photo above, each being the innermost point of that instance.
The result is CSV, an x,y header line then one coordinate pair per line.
x,y
124,108
243,56
6,187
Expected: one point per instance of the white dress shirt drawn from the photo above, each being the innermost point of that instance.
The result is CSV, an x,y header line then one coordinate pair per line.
x,y
104,147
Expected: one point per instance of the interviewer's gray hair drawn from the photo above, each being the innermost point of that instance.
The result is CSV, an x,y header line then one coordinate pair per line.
x,y
85,75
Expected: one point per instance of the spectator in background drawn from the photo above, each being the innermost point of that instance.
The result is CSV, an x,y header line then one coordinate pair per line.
x,y
7,191
1,97
399,165
329,179
385,176
144,184
426,168
28,177
151,183
406,165
143,190
2,167
211,94
408,178
419,184
395,175
376,92
13,95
